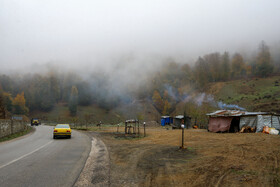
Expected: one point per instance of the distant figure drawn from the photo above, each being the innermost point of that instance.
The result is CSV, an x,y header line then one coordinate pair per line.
x,y
99,124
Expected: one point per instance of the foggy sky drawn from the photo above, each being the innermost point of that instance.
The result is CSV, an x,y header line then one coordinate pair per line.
x,y
93,34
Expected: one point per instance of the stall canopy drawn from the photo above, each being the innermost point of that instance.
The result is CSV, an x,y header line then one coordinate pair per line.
x,y
259,121
226,120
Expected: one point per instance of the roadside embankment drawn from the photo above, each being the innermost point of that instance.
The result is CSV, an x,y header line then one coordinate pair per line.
x,y
96,171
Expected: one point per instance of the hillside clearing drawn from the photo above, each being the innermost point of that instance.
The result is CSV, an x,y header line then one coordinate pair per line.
x,y
256,94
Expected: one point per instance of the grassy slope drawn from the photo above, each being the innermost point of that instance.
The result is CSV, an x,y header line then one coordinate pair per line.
x,y
60,113
258,94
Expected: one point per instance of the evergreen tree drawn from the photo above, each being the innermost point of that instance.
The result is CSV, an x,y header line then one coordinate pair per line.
x,y
157,100
201,73
264,65
73,101
213,61
8,101
2,107
225,66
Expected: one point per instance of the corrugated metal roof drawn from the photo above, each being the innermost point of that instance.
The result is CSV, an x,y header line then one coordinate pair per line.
x,y
179,117
165,116
225,113
131,121
257,113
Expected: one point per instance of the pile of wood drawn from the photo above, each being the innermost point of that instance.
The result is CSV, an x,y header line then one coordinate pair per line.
x,y
248,129
195,127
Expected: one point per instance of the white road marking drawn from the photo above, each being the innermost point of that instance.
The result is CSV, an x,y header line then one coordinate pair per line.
x,y
26,155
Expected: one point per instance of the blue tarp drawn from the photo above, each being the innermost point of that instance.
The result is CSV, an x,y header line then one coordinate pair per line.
x,y
162,121
166,120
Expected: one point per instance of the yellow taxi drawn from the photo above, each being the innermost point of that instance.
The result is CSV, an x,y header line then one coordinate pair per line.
x,y
62,130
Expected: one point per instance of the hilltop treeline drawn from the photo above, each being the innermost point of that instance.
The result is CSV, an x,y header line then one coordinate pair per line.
x,y
174,82
170,83
221,67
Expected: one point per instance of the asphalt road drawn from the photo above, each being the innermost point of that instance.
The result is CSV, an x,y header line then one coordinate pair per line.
x,y
38,160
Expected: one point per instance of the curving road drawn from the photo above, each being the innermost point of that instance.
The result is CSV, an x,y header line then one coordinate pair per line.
x,y
38,160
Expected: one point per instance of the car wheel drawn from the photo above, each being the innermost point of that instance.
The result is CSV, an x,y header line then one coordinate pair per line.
x,y
54,136
69,136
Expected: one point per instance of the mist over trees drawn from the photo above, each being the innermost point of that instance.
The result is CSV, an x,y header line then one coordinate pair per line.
x,y
73,101
215,67
164,88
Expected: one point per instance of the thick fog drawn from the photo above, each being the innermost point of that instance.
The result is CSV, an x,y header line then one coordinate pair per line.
x,y
106,34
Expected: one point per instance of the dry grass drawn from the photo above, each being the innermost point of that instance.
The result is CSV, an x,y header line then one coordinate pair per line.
x,y
210,159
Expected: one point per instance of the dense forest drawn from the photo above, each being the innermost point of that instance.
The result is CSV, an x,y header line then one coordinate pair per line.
x,y
170,84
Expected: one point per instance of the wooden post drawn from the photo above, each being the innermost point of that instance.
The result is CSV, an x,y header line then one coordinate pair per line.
x,y
134,128
138,128
125,129
182,126
118,128
144,129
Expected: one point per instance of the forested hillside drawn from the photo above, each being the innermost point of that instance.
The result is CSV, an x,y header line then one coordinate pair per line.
x,y
172,88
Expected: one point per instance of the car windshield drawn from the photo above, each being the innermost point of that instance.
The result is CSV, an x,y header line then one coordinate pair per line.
x,y
62,126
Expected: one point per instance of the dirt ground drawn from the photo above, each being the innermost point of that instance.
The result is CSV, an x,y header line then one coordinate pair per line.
x,y
210,159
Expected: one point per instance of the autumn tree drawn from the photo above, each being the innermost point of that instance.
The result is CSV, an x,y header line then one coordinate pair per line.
x,y
157,100
19,104
73,101
165,95
166,108
238,66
